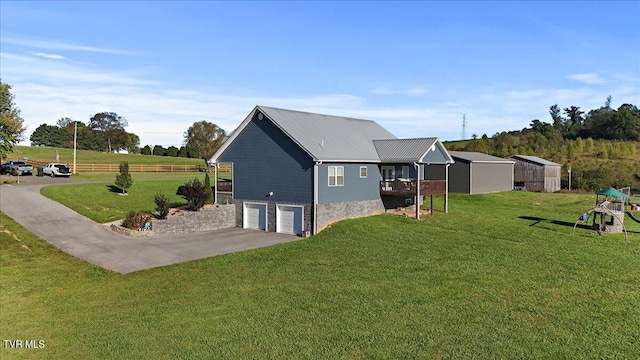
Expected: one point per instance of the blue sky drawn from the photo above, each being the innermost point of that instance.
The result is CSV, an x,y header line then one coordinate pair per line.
x,y
415,67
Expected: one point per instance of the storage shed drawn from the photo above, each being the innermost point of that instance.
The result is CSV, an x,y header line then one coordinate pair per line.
x,y
475,173
478,173
532,173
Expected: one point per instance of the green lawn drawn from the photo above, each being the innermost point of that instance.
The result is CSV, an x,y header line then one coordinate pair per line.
x,y
100,201
48,154
500,276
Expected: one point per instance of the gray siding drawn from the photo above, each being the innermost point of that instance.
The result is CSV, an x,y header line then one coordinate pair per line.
x,y
459,177
437,172
266,160
490,177
354,189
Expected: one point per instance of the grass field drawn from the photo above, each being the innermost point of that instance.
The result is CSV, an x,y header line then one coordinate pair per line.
x,y
100,201
500,276
48,154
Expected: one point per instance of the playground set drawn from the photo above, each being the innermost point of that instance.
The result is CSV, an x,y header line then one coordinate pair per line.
x,y
607,216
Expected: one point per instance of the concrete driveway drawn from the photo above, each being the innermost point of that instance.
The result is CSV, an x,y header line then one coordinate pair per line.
x,y
96,243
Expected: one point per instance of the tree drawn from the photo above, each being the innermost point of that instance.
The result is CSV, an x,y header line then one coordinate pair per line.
x,y
111,126
158,150
554,111
574,115
146,150
172,151
204,138
123,179
48,135
133,147
11,124
65,122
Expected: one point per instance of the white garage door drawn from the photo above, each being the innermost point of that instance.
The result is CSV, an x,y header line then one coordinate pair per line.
x,y
289,219
254,216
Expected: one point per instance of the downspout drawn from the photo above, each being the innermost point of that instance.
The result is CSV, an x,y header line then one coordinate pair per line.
x,y
315,197
417,190
446,191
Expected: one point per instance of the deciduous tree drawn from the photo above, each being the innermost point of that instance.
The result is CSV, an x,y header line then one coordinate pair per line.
x,y
11,124
204,138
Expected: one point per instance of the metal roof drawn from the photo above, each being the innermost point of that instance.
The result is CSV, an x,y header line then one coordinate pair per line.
x,y
327,137
342,139
470,156
535,160
409,150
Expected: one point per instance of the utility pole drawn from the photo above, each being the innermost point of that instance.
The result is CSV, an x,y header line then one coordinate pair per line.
x,y
569,178
75,141
464,126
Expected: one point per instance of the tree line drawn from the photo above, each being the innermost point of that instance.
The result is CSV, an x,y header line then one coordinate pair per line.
x,y
104,132
600,146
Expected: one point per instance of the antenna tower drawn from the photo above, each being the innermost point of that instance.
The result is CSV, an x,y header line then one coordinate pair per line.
x,y
464,126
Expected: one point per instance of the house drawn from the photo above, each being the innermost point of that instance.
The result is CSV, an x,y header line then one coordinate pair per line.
x,y
297,172
532,173
476,173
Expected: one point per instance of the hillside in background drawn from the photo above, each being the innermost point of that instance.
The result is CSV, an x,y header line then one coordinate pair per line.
x,y
600,147
48,154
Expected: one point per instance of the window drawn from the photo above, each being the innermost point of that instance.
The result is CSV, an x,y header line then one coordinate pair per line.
x,y
405,172
363,172
336,175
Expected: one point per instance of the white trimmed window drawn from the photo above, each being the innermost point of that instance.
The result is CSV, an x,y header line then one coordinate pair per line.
x,y
336,175
363,172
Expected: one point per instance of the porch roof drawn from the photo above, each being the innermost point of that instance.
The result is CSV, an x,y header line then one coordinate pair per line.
x,y
419,150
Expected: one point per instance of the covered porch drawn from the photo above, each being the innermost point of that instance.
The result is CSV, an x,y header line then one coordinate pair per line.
x,y
402,168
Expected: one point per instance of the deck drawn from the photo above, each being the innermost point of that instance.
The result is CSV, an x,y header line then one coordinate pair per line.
x,y
408,187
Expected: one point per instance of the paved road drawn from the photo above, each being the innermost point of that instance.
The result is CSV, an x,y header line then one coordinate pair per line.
x,y
97,244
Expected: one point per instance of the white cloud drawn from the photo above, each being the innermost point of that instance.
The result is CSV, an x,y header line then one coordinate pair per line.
x,y
414,91
48,56
589,78
47,89
57,45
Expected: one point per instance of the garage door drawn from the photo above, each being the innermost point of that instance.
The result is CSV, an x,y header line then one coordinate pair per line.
x,y
254,216
289,219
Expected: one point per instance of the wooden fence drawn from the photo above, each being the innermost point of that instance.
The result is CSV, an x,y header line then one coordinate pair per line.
x,y
138,167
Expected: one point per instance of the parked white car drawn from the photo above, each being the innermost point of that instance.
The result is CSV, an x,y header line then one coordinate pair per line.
x,y
56,169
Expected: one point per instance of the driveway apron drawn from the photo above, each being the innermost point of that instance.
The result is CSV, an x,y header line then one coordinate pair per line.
x,y
96,243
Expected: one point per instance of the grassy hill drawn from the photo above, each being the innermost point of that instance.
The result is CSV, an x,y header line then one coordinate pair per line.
x,y
48,154
595,164
501,276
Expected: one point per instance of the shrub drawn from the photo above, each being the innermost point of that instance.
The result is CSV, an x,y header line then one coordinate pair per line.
x,y
123,179
135,219
162,205
195,193
207,186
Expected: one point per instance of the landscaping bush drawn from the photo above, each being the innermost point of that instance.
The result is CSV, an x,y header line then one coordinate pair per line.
x,y
162,205
207,186
135,219
195,193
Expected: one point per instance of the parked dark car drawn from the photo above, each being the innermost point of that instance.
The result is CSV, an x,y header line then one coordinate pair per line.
x,y
16,167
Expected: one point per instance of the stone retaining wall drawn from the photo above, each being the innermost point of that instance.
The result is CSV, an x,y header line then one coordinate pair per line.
x,y
330,213
208,218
